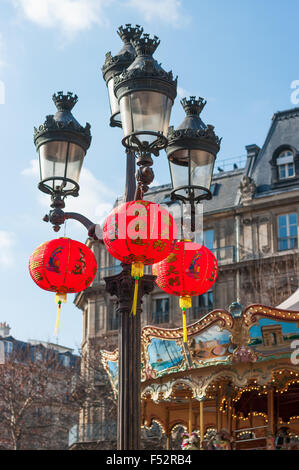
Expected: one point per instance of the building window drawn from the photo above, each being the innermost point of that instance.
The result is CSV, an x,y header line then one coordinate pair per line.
x,y
112,323
285,163
204,304
161,310
99,317
8,347
206,238
38,355
287,232
66,360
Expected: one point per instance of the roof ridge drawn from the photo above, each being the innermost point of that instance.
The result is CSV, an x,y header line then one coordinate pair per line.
x,y
286,114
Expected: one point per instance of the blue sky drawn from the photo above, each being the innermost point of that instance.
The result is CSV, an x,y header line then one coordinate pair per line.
x,y
241,55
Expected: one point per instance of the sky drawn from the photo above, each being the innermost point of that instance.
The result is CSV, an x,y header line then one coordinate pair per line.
x,y
241,56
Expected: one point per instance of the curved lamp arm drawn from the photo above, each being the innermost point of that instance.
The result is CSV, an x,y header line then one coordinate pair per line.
x,y
57,217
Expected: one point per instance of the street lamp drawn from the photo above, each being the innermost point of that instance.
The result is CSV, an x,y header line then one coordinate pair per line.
x,y
145,94
114,65
62,143
191,151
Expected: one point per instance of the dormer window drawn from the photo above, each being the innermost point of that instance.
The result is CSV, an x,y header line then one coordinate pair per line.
x,y
285,163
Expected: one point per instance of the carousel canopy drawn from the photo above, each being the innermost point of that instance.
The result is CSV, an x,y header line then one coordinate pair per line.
x,y
222,340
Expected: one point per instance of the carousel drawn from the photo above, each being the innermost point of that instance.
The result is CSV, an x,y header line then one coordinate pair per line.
x,y
234,384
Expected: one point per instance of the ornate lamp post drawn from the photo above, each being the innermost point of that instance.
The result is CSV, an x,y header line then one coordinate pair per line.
x,y
191,151
141,96
145,95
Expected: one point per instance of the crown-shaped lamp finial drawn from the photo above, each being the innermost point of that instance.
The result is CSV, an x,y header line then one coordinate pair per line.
x,y
64,102
127,33
145,45
193,106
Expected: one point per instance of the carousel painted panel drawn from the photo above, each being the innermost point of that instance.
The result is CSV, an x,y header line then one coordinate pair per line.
x,y
270,336
210,346
163,356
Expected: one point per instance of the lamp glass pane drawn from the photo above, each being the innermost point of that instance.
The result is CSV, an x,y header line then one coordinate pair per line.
x,y
114,106
60,159
74,163
143,111
201,168
179,175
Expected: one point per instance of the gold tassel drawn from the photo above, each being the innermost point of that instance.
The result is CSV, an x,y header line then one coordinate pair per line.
x,y
134,304
59,298
185,302
184,325
136,272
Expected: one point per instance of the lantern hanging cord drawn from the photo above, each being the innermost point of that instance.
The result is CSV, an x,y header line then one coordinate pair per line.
x,y
185,302
136,272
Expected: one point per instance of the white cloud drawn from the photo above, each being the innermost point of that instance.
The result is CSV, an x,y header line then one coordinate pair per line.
x,y
95,199
7,242
182,93
168,11
70,16
74,16
33,170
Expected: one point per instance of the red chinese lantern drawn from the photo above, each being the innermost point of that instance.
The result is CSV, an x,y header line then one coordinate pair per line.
x,y
62,266
139,233
190,269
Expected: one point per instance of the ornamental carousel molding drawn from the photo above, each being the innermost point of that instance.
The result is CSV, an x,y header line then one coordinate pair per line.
x,y
230,356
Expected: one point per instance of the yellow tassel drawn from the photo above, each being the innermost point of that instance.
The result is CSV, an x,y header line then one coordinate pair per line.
x,y
59,298
137,271
134,305
185,302
184,326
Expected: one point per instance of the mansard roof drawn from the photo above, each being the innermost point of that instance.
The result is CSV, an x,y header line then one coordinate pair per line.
x,y
224,189
283,133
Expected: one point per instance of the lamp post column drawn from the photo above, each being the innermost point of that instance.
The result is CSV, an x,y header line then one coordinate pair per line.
x,y
129,339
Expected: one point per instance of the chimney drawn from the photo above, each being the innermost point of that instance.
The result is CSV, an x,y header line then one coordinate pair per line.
x,y
4,329
252,153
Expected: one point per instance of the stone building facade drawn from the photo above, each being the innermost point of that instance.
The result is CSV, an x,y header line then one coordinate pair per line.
x,y
251,225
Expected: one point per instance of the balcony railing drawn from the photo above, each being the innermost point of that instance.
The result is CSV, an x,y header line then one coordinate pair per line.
x,y
159,317
105,431
230,164
195,313
287,243
225,254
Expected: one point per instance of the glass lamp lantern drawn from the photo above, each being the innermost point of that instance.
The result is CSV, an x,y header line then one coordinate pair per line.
x,y
62,144
114,65
191,151
145,94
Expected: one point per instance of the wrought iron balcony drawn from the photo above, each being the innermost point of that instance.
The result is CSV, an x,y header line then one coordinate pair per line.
x,y
195,313
225,254
105,431
159,317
